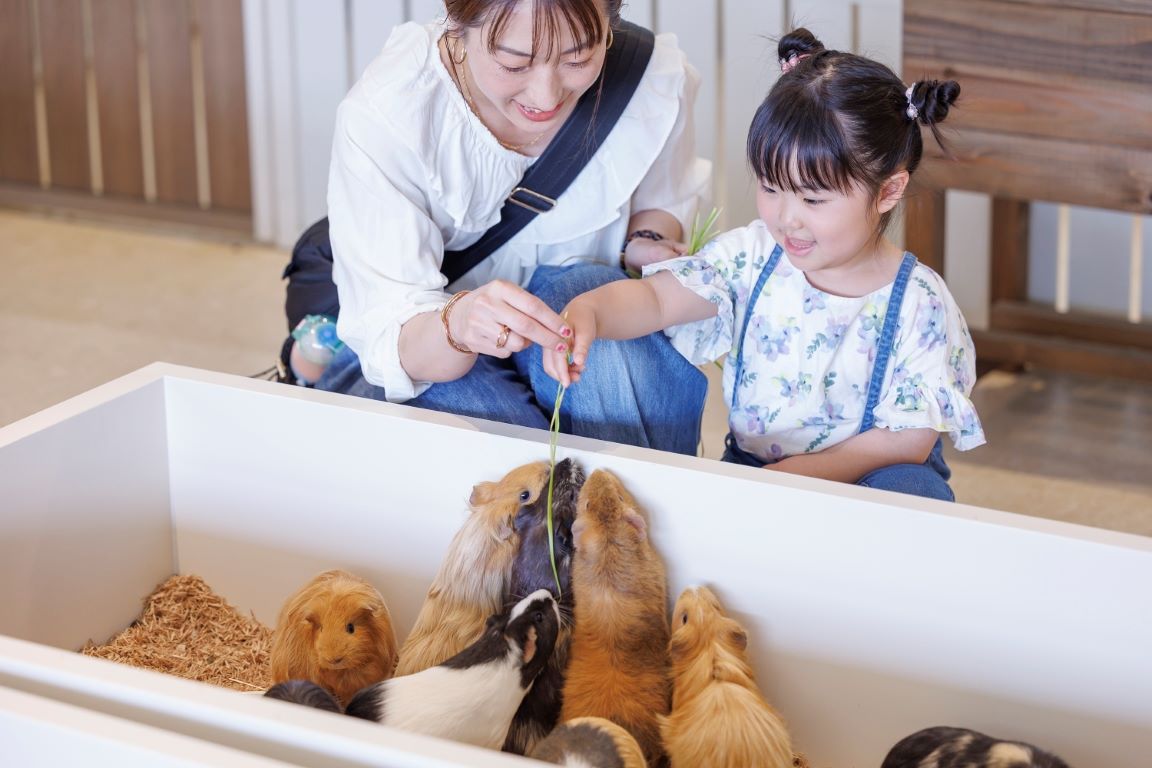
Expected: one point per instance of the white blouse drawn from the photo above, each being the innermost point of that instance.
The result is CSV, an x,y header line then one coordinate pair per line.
x,y
414,173
808,354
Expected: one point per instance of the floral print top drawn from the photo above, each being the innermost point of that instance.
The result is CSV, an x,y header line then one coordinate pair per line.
x,y
808,354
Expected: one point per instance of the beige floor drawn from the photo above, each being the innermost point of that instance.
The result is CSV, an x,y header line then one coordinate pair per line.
x,y
81,304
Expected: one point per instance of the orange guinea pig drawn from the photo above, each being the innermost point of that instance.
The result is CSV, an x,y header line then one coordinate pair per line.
x,y
336,631
719,717
475,573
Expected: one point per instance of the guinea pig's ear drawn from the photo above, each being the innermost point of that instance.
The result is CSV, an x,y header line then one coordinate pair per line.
x,y
737,637
482,493
636,520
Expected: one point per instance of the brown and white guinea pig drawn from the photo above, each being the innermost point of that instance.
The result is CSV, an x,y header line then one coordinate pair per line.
x,y
335,631
590,742
532,570
618,659
306,693
472,696
945,747
719,716
473,579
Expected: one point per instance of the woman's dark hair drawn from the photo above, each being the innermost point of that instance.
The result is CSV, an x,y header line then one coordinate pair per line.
x,y
584,19
834,119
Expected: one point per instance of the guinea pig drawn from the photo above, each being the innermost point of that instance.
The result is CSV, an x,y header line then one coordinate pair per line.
x,y
532,570
618,664
719,717
590,742
335,631
945,747
305,693
474,575
472,696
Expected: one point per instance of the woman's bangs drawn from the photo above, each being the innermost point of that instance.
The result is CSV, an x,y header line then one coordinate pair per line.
x,y
581,18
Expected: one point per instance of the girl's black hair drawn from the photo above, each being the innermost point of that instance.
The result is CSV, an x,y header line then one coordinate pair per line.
x,y
835,119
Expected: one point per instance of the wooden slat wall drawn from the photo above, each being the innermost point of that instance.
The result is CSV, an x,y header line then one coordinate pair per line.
x,y
17,95
62,51
171,95
117,89
226,102
1071,82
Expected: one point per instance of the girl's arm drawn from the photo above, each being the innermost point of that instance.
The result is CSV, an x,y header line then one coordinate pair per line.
x,y
860,454
624,309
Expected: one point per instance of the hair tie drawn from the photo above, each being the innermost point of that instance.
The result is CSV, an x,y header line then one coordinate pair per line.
x,y
911,110
788,64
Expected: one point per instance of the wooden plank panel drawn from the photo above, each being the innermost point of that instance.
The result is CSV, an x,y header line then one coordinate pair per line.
x,y
117,91
62,50
1069,42
17,95
924,224
1117,178
1009,278
1095,327
1037,105
995,347
226,103
170,75
1118,6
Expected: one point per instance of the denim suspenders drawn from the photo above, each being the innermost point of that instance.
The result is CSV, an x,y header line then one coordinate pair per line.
x,y
883,345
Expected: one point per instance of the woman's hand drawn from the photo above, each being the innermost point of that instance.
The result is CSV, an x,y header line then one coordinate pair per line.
x,y
640,252
500,318
565,363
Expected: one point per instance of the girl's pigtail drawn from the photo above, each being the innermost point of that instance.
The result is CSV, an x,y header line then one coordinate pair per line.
x,y
930,100
796,46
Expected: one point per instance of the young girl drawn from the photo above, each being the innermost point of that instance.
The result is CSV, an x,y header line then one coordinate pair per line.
x,y
846,358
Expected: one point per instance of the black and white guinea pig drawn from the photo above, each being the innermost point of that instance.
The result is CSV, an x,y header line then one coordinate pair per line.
x,y
472,696
304,692
945,747
590,742
532,570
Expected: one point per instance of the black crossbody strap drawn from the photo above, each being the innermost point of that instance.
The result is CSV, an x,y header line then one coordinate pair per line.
x,y
570,149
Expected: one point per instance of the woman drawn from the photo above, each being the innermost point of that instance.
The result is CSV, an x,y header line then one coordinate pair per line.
x,y
430,142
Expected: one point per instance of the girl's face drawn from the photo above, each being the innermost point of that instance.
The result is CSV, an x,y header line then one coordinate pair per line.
x,y
830,236
534,95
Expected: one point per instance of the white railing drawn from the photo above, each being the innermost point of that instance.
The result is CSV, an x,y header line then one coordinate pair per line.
x,y
304,54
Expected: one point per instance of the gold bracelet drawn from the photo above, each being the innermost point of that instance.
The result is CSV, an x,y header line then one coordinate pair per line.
x,y
448,331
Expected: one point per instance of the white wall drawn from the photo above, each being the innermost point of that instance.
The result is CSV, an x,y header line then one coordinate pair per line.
x,y
303,55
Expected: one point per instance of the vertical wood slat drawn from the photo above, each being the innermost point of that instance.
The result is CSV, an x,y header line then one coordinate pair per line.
x,y
17,87
1010,245
114,61
225,100
62,51
170,74
924,222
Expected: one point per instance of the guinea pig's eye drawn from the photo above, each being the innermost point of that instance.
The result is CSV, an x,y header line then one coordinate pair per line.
x,y
350,628
525,495
684,617
538,616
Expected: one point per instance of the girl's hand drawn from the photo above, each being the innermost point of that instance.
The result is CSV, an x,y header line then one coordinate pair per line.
x,y
566,363
641,252
500,318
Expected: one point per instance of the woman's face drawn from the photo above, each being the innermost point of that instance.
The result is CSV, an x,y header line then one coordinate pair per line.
x,y
533,94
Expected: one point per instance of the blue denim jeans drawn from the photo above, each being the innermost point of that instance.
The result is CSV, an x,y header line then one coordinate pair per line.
x,y
640,392
929,479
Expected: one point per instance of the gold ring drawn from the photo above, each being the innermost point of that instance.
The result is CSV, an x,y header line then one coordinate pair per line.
x,y
502,339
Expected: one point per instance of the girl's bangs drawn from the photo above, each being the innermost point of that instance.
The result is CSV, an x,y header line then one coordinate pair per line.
x,y
800,153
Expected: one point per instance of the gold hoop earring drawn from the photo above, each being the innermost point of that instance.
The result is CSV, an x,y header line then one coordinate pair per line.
x,y
452,53
611,39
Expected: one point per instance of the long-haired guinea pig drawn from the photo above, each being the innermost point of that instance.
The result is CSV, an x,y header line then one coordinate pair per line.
x,y
473,579
945,747
335,631
618,659
472,696
719,716
532,570
306,693
590,742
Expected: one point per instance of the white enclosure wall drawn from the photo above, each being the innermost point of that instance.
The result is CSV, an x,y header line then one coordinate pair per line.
x,y
303,55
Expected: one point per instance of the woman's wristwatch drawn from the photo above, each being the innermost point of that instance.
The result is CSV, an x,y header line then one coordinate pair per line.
x,y
647,234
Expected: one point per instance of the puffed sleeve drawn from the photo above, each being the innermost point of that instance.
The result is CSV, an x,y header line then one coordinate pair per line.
x,y
387,249
933,368
677,181
717,273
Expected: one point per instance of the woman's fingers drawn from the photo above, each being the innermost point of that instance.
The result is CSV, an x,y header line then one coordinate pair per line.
x,y
505,319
